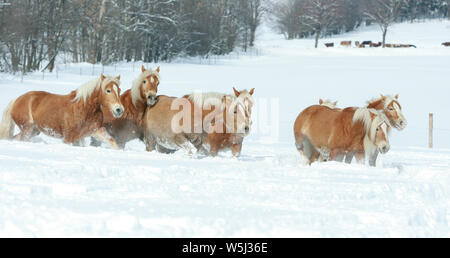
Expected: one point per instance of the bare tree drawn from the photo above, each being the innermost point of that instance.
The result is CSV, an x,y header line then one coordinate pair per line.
x,y
319,15
384,13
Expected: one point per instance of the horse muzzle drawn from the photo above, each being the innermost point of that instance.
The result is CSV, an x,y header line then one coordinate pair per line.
x,y
118,111
152,99
401,124
384,148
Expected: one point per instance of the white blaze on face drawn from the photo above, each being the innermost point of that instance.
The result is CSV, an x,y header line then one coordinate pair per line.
x,y
116,90
152,80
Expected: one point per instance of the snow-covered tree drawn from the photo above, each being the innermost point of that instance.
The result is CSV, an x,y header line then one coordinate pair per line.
x,y
384,13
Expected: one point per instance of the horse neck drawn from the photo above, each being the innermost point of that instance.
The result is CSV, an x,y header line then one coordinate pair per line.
x,y
91,106
132,110
378,104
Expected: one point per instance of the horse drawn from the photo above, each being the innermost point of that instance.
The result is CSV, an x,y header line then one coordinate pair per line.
x,y
335,132
357,44
346,43
135,100
216,142
446,44
71,117
376,44
329,44
184,123
367,42
392,109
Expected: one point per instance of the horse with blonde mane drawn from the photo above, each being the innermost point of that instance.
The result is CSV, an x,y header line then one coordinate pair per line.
x,y
392,109
184,123
336,132
216,141
135,100
71,117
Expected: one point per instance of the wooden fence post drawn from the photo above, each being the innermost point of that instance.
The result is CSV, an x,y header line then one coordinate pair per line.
x,y
430,132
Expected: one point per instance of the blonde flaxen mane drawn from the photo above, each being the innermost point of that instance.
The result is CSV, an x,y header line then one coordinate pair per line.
x,y
86,90
364,115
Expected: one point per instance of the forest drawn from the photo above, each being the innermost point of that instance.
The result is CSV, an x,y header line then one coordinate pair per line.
x,y
33,33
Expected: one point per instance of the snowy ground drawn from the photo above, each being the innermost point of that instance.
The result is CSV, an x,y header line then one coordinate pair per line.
x,y
51,189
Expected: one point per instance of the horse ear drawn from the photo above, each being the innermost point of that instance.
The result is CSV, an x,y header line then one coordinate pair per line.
x,y
118,78
335,103
143,68
396,96
382,96
237,93
252,91
102,77
372,115
320,101
158,69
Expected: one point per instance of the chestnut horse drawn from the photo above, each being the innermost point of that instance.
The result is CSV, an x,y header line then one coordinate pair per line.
x,y
335,132
393,112
216,141
184,123
135,100
71,117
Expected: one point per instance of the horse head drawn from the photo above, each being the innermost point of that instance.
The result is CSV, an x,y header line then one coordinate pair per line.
x,y
245,97
393,112
145,87
109,96
235,116
379,131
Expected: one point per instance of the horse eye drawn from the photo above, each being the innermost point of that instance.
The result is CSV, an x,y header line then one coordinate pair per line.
x,y
378,129
145,81
391,109
235,112
108,91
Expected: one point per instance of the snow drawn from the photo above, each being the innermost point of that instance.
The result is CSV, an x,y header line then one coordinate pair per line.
x,y
51,189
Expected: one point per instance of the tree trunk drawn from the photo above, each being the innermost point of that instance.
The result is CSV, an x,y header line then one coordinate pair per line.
x,y
384,37
317,38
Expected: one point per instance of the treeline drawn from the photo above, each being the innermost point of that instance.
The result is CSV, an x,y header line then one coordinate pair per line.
x,y
307,18
34,32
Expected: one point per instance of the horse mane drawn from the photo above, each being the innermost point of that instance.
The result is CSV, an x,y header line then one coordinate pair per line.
x,y
375,101
86,90
135,89
208,98
329,103
364,115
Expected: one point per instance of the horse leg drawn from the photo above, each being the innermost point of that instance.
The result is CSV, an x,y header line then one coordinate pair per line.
x,y
102,135
236,150
27,131
95,142
150,142
360,157
349,157
373,159
305,148
164,150
183,142
324,153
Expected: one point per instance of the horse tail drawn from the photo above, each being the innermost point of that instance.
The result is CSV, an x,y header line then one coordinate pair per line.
x,y
7,124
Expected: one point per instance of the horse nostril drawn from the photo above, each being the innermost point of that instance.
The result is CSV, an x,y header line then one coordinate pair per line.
x,y
247,129
401,122
119,110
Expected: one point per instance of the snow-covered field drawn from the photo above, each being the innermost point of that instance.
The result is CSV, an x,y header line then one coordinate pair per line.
x,y
51,189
